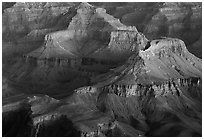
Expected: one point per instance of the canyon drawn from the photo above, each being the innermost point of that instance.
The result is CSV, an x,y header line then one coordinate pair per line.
x,y
92,70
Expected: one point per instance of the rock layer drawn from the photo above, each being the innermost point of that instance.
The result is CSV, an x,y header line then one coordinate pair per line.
x,y
20,20
138,87
92,33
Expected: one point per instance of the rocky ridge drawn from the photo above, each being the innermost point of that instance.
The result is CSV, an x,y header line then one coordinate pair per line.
x,y
80,48
30,21
173,90
155,92
173,19
91,27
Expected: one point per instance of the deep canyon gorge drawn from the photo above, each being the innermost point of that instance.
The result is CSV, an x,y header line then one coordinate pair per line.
x,y
103,69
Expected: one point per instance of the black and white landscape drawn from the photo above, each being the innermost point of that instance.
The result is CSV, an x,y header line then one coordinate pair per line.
x,y
101,69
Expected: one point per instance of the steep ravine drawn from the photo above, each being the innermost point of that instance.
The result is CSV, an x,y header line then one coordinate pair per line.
x,y
97,77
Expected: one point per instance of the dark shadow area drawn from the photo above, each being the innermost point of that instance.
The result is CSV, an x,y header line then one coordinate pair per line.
x,y
17,123
60,127
148,45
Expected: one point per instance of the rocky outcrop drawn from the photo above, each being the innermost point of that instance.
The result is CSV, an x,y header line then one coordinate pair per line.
x,y
151,109
93,43
20,20
154,88
155,92
133,93
163,60
95,34
179,25
180,20
36,35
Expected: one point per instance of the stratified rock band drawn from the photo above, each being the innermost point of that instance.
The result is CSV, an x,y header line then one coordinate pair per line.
x,y
102,69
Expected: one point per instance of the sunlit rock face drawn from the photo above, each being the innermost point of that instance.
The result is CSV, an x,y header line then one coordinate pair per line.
x,y
155,20
93,42
92,33
84,69
164,79
164,59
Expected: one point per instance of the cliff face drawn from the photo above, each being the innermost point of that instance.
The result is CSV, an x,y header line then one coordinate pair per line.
x,y
92,33
146,110
177,17
185,24
129,100
155,20
99,77
93,43
33,20
161,89
180,20
164,59
164,79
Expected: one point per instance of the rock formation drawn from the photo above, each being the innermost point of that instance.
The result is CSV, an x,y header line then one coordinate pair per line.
x,y
92,33
93,43
164,59
180,20
94,76
164,78
32,21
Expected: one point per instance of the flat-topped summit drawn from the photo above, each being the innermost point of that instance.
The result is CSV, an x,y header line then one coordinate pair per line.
x,y
164,47
92,33
95,76
165,59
